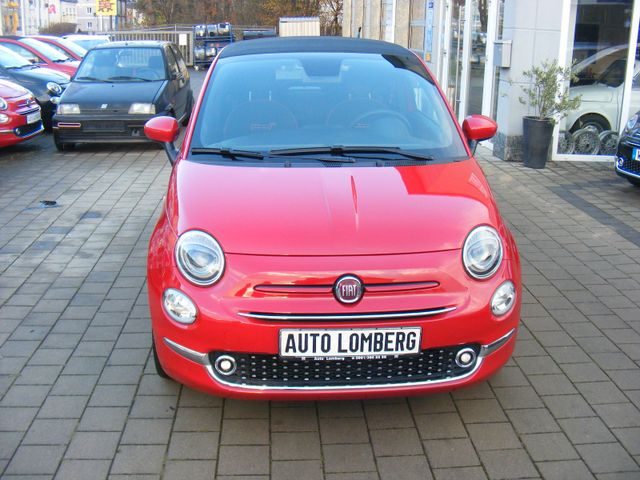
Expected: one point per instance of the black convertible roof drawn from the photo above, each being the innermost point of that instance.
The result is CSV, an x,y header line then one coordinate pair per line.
x,y
312,44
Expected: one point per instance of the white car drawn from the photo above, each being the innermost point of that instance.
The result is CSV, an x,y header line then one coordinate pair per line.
x,y
600,82
88,41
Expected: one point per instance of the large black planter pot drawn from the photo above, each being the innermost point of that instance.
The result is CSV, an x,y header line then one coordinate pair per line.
x,y
537,141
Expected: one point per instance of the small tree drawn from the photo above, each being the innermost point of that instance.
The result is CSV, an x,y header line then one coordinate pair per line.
x,y
59,29
548,93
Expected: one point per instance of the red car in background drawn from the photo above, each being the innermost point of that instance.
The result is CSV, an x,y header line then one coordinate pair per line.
x,y
19,114
327,232
63,46
39,53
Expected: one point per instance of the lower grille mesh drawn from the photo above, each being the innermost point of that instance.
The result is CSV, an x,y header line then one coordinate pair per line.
x,y
275,371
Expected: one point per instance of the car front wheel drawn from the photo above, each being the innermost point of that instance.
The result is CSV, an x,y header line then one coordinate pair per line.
x,y
61,146
156,361
634,181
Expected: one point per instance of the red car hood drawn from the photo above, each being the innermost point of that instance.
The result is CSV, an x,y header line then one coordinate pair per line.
x,y
67,67
331,211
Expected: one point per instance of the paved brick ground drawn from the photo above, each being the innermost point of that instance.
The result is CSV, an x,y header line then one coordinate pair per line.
x,y
79,398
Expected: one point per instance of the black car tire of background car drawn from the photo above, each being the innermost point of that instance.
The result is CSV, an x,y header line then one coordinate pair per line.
x,y
60,146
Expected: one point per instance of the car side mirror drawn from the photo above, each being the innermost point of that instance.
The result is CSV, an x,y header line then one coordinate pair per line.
x,y
164,130
477,128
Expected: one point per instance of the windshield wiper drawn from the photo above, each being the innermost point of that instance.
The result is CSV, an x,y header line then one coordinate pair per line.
x,y
228,153
93,79
127,77
340,150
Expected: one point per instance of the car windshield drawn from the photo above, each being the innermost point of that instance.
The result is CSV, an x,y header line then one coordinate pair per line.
x,y
9,59
288,101
69,45
126,64
45,49
89,43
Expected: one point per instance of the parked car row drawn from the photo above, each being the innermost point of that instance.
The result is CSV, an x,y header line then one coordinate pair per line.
x,y
34,72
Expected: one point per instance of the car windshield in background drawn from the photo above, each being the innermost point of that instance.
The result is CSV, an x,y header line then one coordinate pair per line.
x,y
122,65
46,50
88,44
320,100
9,59
69,45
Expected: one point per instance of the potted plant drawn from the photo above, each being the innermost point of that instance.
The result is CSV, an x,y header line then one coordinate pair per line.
x,y
548,96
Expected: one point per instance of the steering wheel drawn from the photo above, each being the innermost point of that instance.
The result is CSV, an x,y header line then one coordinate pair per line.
x,y
380,113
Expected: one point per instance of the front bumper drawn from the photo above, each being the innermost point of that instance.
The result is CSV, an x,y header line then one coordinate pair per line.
x,y
626,166
100,128
454,314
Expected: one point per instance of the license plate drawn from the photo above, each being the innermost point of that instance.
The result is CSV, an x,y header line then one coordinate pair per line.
x,y
349,343
33,117
636,154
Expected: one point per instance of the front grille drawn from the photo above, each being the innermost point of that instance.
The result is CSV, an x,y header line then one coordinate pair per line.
x,y
103,126
630,166
275,371
28,129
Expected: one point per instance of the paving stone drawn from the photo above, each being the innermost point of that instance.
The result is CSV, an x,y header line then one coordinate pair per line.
x,y
245,432
586,430
565,470
549,446
191,469
243,460
606,458
294,419
568,406
348,458
344,430
93,445
508,464
35,460
404,468
138,459
629,438
295,446
193,446
378,416
396,441
146,431
50,432
197,420
296,469
83,470
493,436
440,425
450,453
480,411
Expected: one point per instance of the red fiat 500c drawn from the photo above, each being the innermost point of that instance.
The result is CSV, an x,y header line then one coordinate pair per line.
x,y
327,232
19,114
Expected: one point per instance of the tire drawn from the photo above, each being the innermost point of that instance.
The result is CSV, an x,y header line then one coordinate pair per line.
x,y
634,181
156,361
591,120
60,146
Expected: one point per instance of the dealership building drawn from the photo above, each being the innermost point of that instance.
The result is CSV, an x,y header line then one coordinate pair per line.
x,y
479,49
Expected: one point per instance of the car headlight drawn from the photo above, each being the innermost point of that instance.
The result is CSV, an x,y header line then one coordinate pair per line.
x,y
631,123
3,104
503,298
199,257
142,108
53,87
482,252
178,306
4,118
68,109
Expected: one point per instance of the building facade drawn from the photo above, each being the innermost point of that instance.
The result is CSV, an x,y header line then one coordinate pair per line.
x,y
479,50
89,21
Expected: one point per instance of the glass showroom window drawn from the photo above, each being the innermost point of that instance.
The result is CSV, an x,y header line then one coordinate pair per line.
x,y
598,49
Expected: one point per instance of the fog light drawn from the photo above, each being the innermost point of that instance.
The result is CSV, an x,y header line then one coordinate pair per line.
x,y
465,357
4,118
503,298
225,365
178,306
620,161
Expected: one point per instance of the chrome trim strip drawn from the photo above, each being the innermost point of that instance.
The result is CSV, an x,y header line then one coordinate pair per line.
x,y
624,172
201,358
344,387
346,316
493,346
